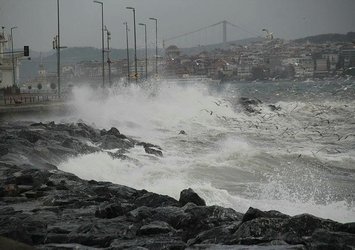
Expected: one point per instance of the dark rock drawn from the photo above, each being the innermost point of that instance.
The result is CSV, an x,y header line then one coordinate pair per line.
x,y
109,211
115,132
33,195
140,213
216,235
152,242
323,239
148,145
153,151
118,155
274,108
32,177
249,104
31,136
347,227
3,150
43,206
202,218
254,213
112,142
170,214
9,244
258,231
9,190
188,195
155,200
305,224
182,132
155,227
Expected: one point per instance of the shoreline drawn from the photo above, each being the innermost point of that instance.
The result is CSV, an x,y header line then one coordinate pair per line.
x,y
51,209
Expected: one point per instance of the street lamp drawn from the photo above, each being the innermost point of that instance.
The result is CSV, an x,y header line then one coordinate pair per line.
x,y
13,59
58,51
128,68
108,54
102,42
146,50
135,42
156,44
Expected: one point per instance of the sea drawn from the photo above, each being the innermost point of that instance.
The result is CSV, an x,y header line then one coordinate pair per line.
x,y
295,153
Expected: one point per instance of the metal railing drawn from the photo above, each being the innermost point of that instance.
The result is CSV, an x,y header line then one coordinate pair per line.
x,y
29,98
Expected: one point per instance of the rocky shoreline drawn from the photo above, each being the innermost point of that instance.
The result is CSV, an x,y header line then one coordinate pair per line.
x,y
42,207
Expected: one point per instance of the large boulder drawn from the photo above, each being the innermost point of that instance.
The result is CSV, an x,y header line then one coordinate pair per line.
x,y
189,195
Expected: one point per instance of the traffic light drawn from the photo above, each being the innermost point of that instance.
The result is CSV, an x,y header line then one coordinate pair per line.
x,y
26,50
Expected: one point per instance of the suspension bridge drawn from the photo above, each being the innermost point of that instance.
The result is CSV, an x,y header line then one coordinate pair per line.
x,y
222,24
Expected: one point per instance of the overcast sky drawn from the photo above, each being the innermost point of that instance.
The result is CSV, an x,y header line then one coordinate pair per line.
x,y
81,20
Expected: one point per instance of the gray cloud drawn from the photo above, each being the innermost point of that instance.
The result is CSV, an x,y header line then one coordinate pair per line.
x,y
80,19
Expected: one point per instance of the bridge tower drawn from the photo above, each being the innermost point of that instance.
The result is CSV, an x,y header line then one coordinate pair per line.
x,y
224,25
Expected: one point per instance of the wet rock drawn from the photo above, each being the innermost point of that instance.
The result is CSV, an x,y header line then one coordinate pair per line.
x,y
78,146
347,227
188,195
216,235
202,218
155,227
9,244
110,211
113,131
274,107
152,242
155,200
9,190
140,213
153,151
305,224
3,151
112,142
258,231
31,136
50,209
170,214
254,213
250,105
323,239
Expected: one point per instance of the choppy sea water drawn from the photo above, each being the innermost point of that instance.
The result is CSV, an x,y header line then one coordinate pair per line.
x,y
298,159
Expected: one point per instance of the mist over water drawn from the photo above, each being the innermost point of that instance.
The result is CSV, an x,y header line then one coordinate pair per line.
x,y
299,159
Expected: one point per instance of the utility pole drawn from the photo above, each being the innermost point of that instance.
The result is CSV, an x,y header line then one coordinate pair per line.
x,y
102,42
146,50
156,45
128,68
13,58
135,43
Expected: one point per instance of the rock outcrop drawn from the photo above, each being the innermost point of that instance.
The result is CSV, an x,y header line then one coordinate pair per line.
x,y
45,208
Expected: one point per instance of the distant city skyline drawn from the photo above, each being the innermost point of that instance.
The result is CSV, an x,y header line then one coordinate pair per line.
x,y
81,20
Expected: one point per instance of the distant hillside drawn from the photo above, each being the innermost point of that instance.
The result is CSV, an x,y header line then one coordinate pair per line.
x,y
199,49
349,37
71,56
75,55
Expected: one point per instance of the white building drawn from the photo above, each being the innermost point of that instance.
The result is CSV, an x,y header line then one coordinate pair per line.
x,y
6,64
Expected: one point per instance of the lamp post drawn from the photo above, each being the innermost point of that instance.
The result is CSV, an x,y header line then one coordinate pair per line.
x,y
102,42
156,44
58,50
135,42
128,68
13,58
108,54
146,50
